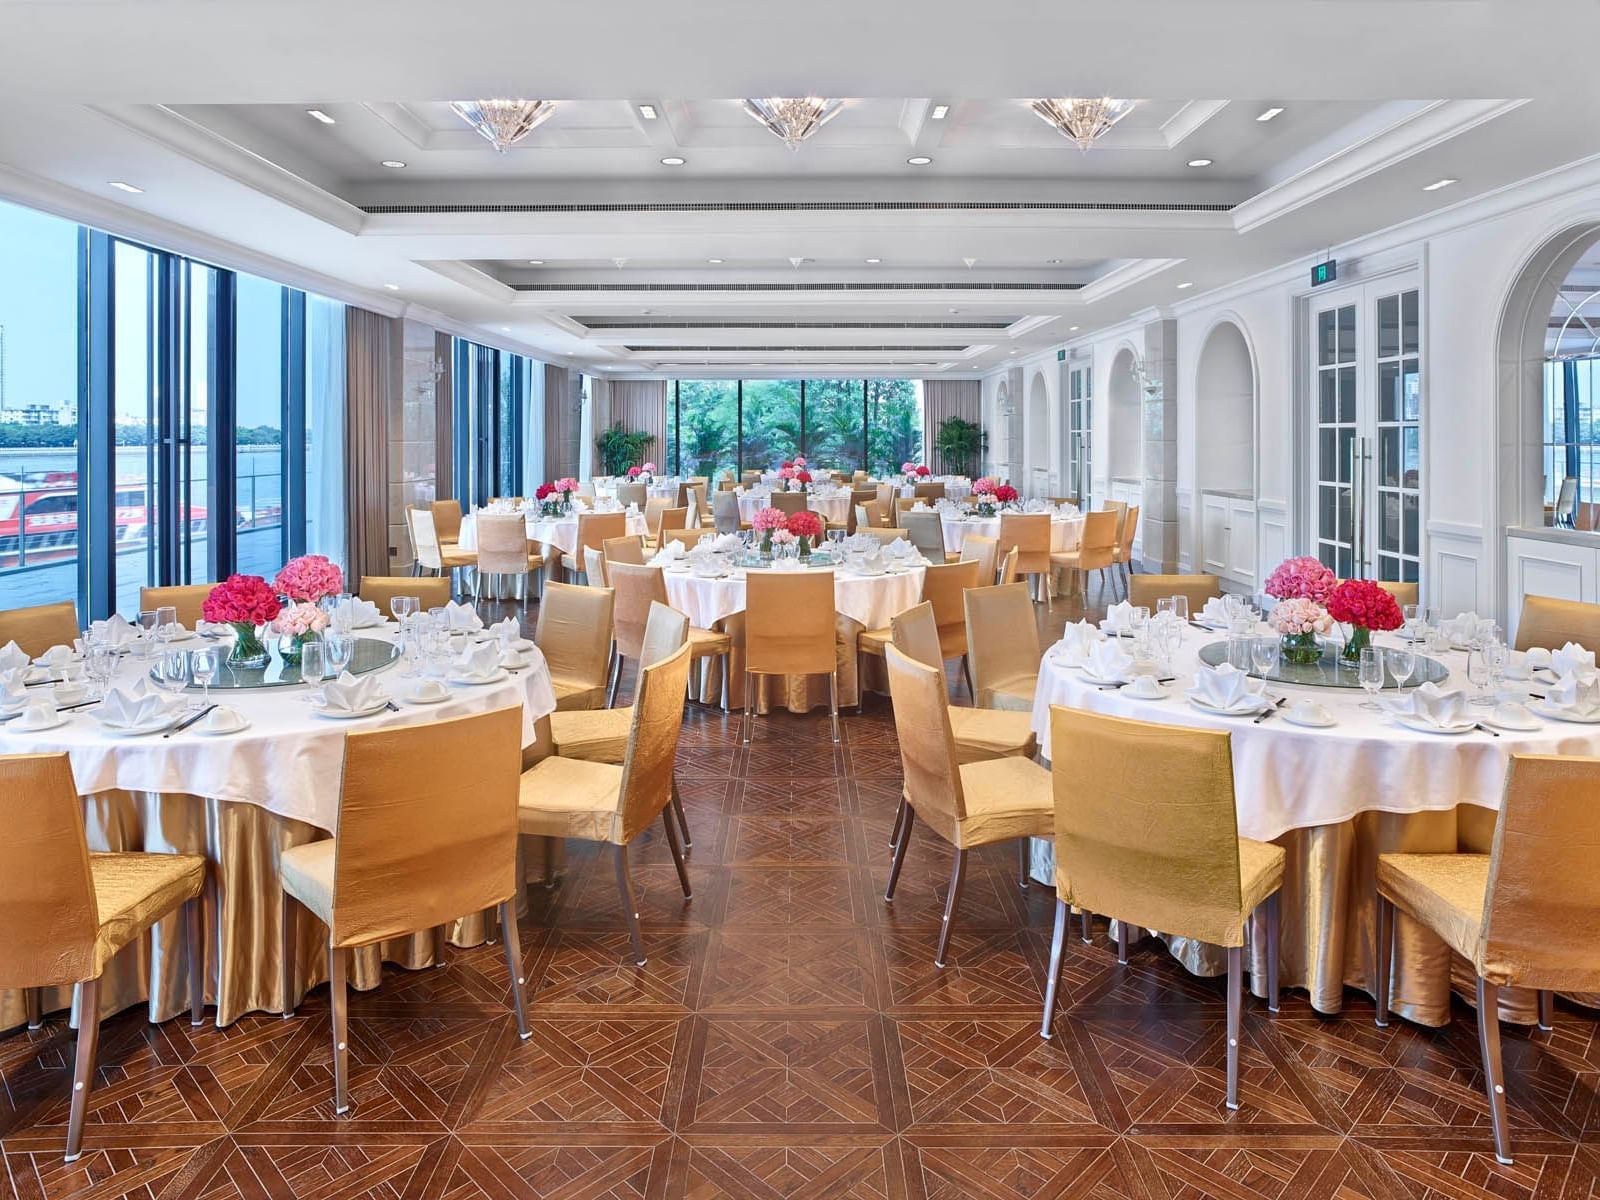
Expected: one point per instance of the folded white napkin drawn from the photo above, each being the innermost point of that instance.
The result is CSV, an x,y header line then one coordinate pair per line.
x,y
673,551
1443,707
1119,618
1571,659
56,657
1109,661
1228,688
1076,641
901,550
727,543
353,693
1578,692
359,613
460,618
12,692
1215,612
12,658
507,631
476,663
1460,629
136,707
861,543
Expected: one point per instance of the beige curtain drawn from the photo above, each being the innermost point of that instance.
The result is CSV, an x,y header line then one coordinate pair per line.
x,y
560,424
444,408
373,371
642,404
946,398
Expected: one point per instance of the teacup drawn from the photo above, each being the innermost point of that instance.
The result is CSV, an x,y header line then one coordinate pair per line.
x,y
426,691
39,713
222,720
70,691
1145,687
1311,712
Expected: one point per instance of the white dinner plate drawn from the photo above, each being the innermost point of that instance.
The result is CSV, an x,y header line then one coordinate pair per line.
x,y
144,730
335,714
1556,713
1533,723
1205,705
499,674
420,700
1304,723
1099,681
1423,726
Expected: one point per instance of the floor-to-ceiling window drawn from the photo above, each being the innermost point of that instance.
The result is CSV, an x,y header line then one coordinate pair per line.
x,y
705,426
834,430
769,430
894,424
259,443
492,410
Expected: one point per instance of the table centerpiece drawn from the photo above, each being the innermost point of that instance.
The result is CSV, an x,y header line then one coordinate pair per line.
x,y
247,603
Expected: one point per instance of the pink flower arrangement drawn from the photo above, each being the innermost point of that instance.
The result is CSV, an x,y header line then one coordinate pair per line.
x,y
566,484
300,619
782,537
1005,493
786,472
649,468
799,460
309,577
1362,603
985,486
786,465
1302,578
241,600
908,468
635,472
769,520
1299,615
805,524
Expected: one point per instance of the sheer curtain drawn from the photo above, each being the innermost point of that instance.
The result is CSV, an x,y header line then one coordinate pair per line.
x,y
372,377
946,398
533,429
325,425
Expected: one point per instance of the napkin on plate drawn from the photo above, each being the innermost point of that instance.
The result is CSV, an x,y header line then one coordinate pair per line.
x,y
1577,692
12,692
1214,613
1228,688
1444,708
115,631
476,664
12,658
901,550
861,543
1076,641
136,707
460,618
1460,629
673,551
1571,659
56,658
507,632
352,693
727,543
1108,661
1119,618
359,613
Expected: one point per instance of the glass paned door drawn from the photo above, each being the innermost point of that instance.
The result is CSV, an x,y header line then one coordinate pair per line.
x,y
1078,417
1399,422
1337,447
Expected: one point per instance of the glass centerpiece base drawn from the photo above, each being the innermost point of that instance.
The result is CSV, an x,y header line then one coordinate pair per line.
x,y
368,655
1328,669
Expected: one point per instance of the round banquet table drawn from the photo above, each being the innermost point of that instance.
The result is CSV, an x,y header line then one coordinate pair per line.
x,y
955,486
241,799
1064,531
832,506
860,602
1335,798
560,532
661,489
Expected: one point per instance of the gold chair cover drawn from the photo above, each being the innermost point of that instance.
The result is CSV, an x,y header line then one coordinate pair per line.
x,y
381,590
787,502
1030,534
187,598
447,522
1553,623
944,587
624,550
574,633
1002,645
985,551
1145,590
36,629
789,623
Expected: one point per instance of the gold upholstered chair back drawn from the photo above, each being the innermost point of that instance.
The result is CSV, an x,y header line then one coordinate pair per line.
x,y
1125,535
928,491
944,587
1146,829
665,629
749,477
870,515
1550,623
427,825
187,598
1010,570
1542,905
574,634
653,508
382,589
1002,638
1146,590
502,543
595,528
652,742
594,567
858,497
673,518
886,496
926,531
985,551
789,623
623,550
1097,547
787,502
689,537
36,628
637,588
915,633
884,536
446,520
927,747
632,493
47,897
1030,534
1403,593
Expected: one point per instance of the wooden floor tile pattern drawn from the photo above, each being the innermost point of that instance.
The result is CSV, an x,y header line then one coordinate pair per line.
x,y
791,1038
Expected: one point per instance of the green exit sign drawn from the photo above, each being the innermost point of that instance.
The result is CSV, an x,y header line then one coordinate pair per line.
x,y
1325,272
1061,356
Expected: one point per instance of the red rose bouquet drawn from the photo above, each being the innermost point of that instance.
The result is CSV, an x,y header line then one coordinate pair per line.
x,y
542,492
241,600
801,475
923,472
634,472
805,524
1363,606
1005,493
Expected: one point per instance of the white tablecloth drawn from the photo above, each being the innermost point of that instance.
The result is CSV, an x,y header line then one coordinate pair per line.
x,y
872,600
561,532
832,507
665,489
955,486
1291,777
288,761
1064,531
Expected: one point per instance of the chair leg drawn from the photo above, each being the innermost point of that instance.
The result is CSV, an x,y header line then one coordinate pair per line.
x,y
900,850
630,907
287,940
194,930
833,701
440,945
33,1007
1383,954
727,685
513,950
616,681
747,722
1088,927
83,1065
677,852
549,862
339,1001
683,821
1547,1010
1494,1079
899,822
1122,941
1273,905
957,874
966,671
1235,1003
1022,863
1057,944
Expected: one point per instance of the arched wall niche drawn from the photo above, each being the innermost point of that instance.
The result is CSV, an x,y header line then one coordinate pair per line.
x,y
1225,412
1038,426
1125,449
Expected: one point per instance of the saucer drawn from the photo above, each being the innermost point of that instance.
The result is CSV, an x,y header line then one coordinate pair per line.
x,y
1161,694
1289,715
201,728
57,723
1556,713
496,677
1532,723
341,715
1256,709
1424,726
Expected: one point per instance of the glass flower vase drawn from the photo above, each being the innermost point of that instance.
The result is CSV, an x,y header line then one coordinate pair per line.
x,y
805,547
248,650
290,645
1299,649
1360,637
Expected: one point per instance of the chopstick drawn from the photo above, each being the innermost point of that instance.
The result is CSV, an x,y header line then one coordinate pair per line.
x,y
43,682
1111,687
1281,701
392,706
188,721
79,704
1486,729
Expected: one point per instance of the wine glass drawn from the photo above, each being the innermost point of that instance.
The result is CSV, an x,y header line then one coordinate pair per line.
x,y
1403,664
313,662
203,666
167,623
1263,653
1180,608
1496,655
403,606
172,672
101,661
1371,676
1413,618
1478,672
149,631
338,646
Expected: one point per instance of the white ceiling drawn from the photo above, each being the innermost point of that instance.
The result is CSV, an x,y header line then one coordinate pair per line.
x,y
204,106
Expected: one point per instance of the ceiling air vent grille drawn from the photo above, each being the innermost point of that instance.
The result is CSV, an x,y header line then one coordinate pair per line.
x,y
963,285
813,206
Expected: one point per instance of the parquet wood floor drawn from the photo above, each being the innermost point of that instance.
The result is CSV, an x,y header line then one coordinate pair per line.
x,y
791,1037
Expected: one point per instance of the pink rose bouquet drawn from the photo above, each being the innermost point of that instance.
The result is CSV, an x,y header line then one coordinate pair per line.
x,y
786,472
799,460
908,468
769,520
1298,615
635,472
1302,578
985,486
782,537
300,619
649,468
566,484
241,600
309,577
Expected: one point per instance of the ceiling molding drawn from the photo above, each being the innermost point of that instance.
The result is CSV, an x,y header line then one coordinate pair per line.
x,y
1189,118
1125,276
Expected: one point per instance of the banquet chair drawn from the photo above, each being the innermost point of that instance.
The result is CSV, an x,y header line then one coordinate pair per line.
x,y
858,497
1096,549
1145,590
187,598
857,478
689,537
885,536
447,522
36,628
979,733
426,833
1008,565
1403,593
985,551
698,488
887,493
593,530
653,508
1547,622
966,804
748,478
1124,547
601,734
787,502
1522,915
902,505
789,629
671,519
1147,833
632,493
431,555
928,491
873,515
623,550
503,552
1029,533
574,634
605,802
382,589
638,590
1002,646
726,484
68,911
926,531
942,588
594,566
725,513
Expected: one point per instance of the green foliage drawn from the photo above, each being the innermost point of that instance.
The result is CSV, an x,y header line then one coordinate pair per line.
x,y
128,433
894,424
622,448
960,445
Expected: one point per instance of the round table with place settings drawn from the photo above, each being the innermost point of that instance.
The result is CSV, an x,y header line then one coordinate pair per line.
x,y
240,799
1334,798
1064,531
832,507
560,532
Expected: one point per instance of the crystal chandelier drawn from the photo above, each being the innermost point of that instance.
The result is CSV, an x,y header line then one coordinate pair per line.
x,y
794,119
504,122
1083,121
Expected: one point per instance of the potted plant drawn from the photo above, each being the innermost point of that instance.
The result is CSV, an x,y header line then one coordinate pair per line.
x,y
960,443
620,448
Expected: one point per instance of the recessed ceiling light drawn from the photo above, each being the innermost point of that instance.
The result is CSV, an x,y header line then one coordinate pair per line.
x,y
393,287
1268,114
955,310
919,160
1181,286
536,262
644,312
672,160
318,115
505,329
940,112
648,111
1052,262
1011,352
1072,329
394,164
126,187
715,262
874,261
1439,183
1199,162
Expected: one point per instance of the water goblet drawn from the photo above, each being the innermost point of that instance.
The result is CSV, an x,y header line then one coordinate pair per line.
x,y
403,606
1164,606
1413,619
172,671
1402,664
1371,676
149,631
167,623
1263,654
203,666
338,647
1180,608
313,662
101,661
1478,674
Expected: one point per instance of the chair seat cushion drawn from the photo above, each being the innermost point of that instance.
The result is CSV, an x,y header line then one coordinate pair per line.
x,y
985,733
569,797
133,891
1005,798
307,875
599,735
706,643
1014,694
576,695
1260,871
872,641
454,558
1443,891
